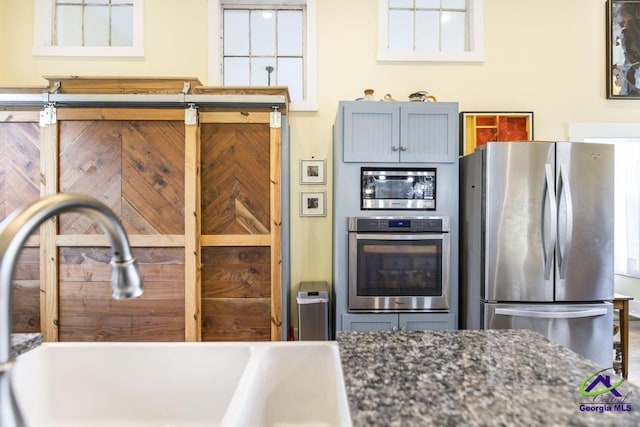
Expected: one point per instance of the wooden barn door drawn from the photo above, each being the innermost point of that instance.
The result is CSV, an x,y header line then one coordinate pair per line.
x,y
240,227
134,162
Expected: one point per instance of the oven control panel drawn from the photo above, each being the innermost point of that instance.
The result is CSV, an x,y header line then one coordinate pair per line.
x,y
433,224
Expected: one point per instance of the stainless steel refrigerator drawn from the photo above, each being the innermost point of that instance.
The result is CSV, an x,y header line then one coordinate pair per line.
x,y
537,242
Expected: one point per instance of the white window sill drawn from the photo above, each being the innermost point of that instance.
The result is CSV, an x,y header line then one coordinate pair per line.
x,y
431,57
88,51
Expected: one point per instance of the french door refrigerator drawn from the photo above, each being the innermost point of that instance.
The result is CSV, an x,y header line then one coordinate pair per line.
x,y
537,242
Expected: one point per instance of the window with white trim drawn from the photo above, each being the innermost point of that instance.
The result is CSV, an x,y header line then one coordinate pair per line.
x,y
88,28
430,30
626,138
266,43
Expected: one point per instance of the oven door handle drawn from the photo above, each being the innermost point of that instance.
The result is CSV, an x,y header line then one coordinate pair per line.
x,y
407,236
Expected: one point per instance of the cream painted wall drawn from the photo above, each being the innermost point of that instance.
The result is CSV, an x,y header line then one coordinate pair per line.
x,y
546,56
175,45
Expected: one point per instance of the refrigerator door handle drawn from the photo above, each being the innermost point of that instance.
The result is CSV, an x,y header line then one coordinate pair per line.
x,y
565,246
549,247
551,314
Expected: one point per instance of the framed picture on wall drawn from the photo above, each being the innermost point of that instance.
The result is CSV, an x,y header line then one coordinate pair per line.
x,y
623,49
312,171
479,127
312,203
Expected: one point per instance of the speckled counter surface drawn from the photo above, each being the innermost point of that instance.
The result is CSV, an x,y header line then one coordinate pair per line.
x,y
21,343
473,378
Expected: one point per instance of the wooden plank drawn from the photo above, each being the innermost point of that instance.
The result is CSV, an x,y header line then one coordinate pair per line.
x,y
236,272
135,240
234,117
236,240
236,319
92,264
276,234
121,84
192,308
16,116
25,299
48,251
25,304
121,328
247,90
106,307
87,311
101,272
15,89
137,114
101,291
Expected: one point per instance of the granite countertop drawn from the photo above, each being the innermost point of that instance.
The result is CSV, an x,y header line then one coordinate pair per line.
x,y
21,343
475,378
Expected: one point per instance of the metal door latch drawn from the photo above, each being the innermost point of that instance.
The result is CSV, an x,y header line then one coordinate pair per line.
x,y
191,115
48,115
275,118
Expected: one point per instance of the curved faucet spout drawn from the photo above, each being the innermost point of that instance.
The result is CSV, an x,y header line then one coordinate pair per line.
x,y
14,231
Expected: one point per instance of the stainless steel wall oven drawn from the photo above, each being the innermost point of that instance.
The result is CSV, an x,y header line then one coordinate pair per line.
x,y
399,264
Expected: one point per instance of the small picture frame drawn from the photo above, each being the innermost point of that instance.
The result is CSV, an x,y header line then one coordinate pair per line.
x,y
312,171
312,203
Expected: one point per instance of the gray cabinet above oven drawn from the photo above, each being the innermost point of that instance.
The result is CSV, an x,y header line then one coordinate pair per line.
x,y
399,132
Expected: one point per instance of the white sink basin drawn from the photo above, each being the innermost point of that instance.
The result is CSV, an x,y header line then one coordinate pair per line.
x,y
292,385
181,384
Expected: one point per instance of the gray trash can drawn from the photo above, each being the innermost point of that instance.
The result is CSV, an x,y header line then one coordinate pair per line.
x,y
313,311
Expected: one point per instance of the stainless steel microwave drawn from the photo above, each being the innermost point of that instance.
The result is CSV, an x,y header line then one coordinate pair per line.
x,y
398,188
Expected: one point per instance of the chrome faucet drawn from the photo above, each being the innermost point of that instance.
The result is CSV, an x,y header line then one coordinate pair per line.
x,y
14,231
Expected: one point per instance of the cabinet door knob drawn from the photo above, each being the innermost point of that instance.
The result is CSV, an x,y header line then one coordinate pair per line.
x,y
403,148
394,148
394,329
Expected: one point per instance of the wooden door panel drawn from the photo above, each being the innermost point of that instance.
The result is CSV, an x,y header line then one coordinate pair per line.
x,y
20,165
236,272
25,300
19,186
235,178
153,175
236,319
135,168
90,153
87,312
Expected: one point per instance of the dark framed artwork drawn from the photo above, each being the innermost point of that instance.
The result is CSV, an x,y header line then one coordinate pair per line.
x,y
623,49
479,127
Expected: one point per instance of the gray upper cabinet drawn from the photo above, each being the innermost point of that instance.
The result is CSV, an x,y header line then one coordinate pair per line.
x,y
405,132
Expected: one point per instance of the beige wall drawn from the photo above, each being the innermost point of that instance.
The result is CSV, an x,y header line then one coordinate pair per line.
x,y
546,56
175,45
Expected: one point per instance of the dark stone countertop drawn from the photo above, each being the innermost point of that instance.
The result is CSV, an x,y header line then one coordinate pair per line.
x,y
21,343
474,378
